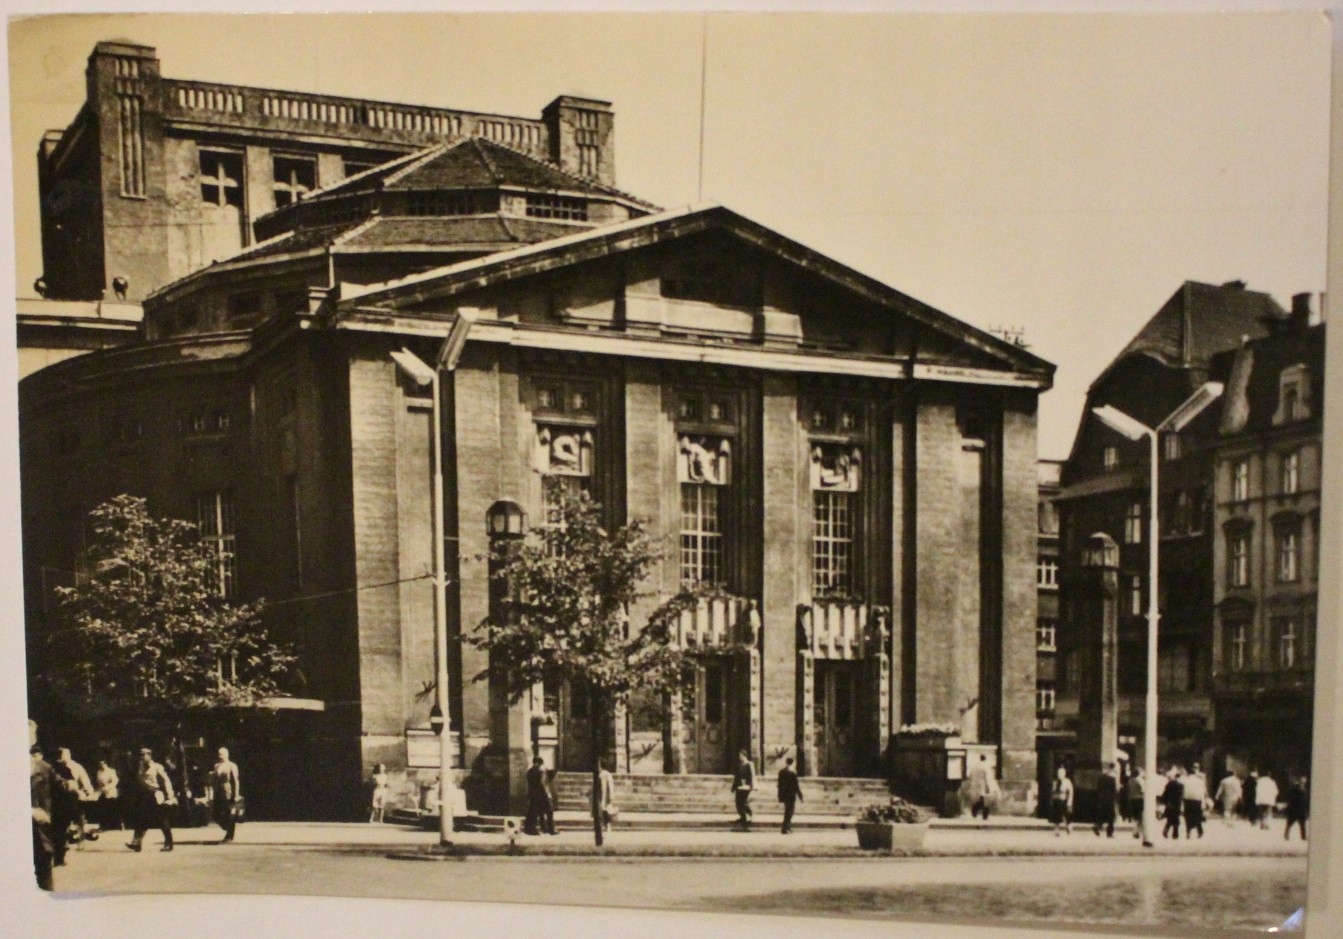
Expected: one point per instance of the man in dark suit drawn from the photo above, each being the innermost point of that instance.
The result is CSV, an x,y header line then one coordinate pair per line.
x,y
540,811
42,783
743,781
1107,793
790,791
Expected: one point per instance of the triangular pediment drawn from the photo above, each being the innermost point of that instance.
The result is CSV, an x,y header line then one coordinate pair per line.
x,y
706,275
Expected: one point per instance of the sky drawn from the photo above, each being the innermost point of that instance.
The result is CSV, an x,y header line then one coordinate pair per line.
x,y
1058,174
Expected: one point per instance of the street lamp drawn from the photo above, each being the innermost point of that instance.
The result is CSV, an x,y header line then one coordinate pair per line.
x,y
422,374
1134,429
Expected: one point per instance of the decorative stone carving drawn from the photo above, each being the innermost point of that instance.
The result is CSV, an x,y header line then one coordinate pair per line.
x,y
835,468
704,460
563,451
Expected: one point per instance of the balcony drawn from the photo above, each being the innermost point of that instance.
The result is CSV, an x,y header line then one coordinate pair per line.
x,y
404,124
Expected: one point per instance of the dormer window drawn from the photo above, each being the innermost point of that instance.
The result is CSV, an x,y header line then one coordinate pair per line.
x,y
1293,395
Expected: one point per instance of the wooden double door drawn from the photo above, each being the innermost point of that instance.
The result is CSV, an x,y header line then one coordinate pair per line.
x,y
712,714
835,716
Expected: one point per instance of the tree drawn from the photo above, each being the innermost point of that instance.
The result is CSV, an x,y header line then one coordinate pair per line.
x,y
563,615
146,632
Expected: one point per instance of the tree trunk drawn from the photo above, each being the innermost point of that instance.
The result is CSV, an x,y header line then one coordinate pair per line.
x,y
598,727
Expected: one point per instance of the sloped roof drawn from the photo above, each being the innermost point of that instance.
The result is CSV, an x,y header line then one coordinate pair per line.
x,y
1254,391
471,163
666,227
452,231
1198,321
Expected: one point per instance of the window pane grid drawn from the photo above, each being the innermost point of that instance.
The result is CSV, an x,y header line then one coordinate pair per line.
x,y
701,535
832,543
214,518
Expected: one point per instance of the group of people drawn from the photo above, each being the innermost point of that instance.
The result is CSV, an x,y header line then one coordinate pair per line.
x,y
65,799
1183,797
789,792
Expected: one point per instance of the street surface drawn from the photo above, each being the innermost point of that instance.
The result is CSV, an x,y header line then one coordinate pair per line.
x,y
1234,878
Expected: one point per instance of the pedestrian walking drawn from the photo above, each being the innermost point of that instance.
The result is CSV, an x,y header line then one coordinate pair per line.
x,y
540,810
73,788
1136,804
377,793
1228,797
983,788
1172,797
152,800
42,783
1061,802
108,784
606,793
1249,794
1122,802
1265,798
1195,796
1107,795
743,781
1298,806
225,793
790,793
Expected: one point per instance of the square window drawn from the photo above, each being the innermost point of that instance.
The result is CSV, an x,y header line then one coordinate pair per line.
x,y
221,178
294,178
547,398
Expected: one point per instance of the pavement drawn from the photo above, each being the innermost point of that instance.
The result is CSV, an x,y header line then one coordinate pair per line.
x,y
946,837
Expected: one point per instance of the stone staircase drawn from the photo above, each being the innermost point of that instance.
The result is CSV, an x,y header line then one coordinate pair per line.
x,y
695,794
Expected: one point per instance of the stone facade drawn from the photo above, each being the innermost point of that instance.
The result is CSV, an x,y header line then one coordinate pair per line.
x,y
854,470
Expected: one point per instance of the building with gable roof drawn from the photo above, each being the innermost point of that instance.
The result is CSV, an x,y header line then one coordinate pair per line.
x,y
1105,489
870,513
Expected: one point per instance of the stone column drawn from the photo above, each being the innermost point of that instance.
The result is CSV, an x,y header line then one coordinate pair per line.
x,y
1097,716
785,552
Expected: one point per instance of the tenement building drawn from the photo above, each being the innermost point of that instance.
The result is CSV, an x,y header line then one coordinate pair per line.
x,y
1266,538
855,470
1106,485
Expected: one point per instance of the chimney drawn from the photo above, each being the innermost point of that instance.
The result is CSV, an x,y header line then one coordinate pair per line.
x,y
1300,317
582,140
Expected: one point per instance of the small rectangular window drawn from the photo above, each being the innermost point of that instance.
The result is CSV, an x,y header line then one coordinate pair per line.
x,y
294,178
1240,481
1289,555
1133,524
1135,596
1171,444
244,309
1110,458
221,178
1239,559
1291,473
1045,696
1237,645
1046,637
1047,573
557,207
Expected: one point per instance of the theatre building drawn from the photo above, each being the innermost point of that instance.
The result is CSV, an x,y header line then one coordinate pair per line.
x,y
855,470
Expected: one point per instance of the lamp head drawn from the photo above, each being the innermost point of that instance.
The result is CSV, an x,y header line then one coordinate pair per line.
x,y
1121,423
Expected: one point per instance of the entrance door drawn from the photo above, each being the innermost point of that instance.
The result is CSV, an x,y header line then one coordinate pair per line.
x,y
835,713
573,706
707,720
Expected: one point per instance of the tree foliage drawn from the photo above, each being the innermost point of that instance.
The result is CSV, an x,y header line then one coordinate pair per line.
x,y
147,628
562,613
565,592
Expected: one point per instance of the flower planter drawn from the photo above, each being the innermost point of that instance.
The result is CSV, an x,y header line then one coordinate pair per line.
x,y
888,836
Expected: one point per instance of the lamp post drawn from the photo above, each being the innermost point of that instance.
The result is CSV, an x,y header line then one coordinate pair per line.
x,y
1135,430
422,374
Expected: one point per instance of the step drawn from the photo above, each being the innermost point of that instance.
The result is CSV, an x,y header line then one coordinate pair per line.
x,y
711,794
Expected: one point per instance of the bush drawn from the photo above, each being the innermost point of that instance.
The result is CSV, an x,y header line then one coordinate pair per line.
x,y
897,812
